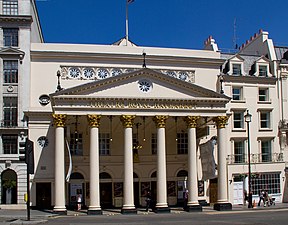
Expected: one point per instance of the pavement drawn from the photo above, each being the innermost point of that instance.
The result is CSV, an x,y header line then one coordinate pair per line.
x,y
16,217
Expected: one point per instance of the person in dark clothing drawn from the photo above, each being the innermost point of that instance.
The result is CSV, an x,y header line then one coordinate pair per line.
x,y
148,200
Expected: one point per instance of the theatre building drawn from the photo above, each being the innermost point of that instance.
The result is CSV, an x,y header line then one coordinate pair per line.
x,y
133,119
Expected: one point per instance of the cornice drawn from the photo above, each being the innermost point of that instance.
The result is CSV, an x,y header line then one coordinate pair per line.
x,y
17,20
249,79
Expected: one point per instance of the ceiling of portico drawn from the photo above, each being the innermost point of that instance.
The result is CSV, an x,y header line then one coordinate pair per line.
x,y
141,91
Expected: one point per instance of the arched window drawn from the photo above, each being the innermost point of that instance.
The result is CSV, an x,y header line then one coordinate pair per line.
x,y
182,173
77,175
105,175
9,187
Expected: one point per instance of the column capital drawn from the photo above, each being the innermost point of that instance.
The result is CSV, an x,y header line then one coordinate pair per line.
x,y
221,121
127,120
160,121
93,120
59,119
191,121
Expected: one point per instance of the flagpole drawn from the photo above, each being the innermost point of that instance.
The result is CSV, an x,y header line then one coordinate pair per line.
x,y
127,22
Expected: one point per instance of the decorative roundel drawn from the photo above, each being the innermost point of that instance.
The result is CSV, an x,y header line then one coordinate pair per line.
x,y
171,73
42,141
44,99
183,76
145,86
10,88
74,72
88,73
103,73
116,72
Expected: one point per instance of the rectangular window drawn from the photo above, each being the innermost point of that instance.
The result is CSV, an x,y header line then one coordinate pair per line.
x,y
238,120
10,143
266,151
265,119
239,152
10,7
10,71
237,93
104,143
10,111
182,143
263,94
154,144
76,143
263,71
10,37
236,70
266,181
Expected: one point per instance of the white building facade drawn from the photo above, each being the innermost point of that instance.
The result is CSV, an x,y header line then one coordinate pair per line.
x,y
125,123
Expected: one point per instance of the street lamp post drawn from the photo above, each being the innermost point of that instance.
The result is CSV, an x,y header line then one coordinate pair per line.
x,y
248,117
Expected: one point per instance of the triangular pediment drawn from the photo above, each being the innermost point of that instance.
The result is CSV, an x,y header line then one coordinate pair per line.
x,y
142,84
12,51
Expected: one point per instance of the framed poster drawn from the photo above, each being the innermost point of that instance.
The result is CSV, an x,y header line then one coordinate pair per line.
x,y
200,188
145,186
87,190
118,189
171,188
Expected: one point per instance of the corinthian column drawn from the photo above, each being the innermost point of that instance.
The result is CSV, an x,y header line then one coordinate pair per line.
x,y
192,204
59,189
94,207
161,205
128,201
222,201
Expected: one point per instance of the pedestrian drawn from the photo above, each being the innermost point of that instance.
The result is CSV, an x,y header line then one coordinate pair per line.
x,y
261,197
79,200
186,194
148,200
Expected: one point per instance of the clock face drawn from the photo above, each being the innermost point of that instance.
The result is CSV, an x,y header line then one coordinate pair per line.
x,y
42,141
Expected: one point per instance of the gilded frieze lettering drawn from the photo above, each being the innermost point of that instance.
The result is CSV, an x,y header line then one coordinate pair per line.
x,y
59,119
93,120
191,121
127,120
221,121
160,121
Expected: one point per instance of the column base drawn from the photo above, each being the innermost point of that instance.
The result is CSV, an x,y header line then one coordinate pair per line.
x,y
94,212
162,210
223,206
60,212
193,208
128,211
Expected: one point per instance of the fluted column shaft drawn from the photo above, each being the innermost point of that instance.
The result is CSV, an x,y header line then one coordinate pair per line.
x,y
160,122
128,201
59,122
94,123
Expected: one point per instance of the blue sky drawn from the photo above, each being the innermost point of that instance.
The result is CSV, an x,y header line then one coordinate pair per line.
x,y
163,23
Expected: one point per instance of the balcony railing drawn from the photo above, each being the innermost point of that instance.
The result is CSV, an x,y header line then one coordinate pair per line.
x,y
255,158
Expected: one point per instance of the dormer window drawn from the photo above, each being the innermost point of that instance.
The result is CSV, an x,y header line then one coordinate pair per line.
x,y
236,70
263,71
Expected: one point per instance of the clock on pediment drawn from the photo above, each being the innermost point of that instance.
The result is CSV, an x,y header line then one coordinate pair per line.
x,y
42,141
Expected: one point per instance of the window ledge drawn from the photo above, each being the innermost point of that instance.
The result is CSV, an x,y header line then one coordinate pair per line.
x,y
238,130
238,101
264,102
265,129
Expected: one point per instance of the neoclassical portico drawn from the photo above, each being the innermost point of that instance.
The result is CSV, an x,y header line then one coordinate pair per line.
x,y
192,101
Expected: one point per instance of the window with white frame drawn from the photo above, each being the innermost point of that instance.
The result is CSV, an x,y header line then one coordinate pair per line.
x,y
265,120
104,143
154,143
238,120
263,94
237,93
239,151
266,181
76,143
10,37
266,151
10,7
182,143
10,143
10,71
263,71
236,69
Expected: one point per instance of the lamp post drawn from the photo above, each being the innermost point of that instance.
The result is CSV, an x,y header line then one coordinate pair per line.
x,y
248,117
